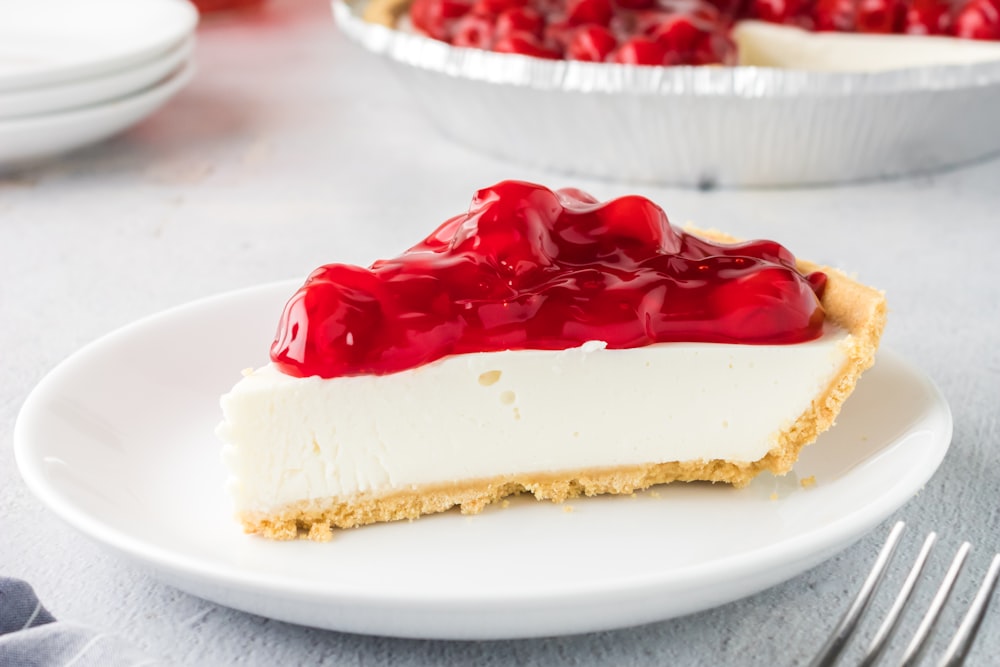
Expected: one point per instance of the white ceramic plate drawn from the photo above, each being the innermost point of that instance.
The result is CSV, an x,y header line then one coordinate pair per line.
x,y
27,139
118,441
93,90
43,42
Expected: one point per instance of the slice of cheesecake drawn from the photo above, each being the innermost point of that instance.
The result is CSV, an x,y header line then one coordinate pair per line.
x,y
544,343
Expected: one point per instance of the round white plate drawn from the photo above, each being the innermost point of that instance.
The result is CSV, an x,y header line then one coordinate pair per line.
x,y
94,90
118,441
44,42
35,137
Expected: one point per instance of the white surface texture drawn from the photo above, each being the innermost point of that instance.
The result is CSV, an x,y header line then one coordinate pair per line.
x,y
292,148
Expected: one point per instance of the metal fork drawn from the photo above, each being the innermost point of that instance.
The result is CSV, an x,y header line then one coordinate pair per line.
x,y
962,640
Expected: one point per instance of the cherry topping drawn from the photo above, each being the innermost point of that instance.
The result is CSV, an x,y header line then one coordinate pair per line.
x,y
589,12
525,44
636,4
715,48
332,321
880,16
927,17
685,32
493,8
529,268
593,43
834,15
473,31
977,19
559,33
520,19
640,51
776,11
435,17
677,33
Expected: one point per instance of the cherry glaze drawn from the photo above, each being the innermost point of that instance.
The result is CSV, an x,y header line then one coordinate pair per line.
x,y
679,32
638,32
529,268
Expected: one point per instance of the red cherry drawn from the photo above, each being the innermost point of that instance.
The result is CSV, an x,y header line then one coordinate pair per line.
x,y
756,297
559,33
586,12
977,19
699,10
439,239
880,16
677,34
635,4
639,51
576,199
644,22
817,280
494,8
333,320
636,219
927,17
838,15
508,224
592,43
469,278
730,7
436,17
767,251
526,45
776,11
520,19
715,48
473,31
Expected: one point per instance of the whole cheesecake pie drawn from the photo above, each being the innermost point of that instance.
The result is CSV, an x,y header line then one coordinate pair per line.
x,y
541,342
802,34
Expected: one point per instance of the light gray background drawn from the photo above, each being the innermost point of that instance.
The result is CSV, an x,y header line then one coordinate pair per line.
x,y
293,148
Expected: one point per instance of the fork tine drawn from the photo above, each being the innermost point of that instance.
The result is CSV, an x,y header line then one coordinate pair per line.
x,y
966,633
919,641
884,633
838,640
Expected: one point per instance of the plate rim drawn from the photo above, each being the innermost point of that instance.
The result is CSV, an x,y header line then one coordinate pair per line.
x,y
187,21
111,117
171,565
74,95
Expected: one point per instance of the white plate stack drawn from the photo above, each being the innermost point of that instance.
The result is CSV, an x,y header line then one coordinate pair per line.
x,y
74,72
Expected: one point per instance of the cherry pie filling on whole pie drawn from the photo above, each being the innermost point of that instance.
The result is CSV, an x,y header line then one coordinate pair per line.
x,y
679,32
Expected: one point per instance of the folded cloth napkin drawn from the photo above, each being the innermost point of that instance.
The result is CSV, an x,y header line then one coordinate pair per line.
x,y
31,637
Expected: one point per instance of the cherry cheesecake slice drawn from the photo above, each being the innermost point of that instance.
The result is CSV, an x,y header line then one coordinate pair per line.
x,y
541,342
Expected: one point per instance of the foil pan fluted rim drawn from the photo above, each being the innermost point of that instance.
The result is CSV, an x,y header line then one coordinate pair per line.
x,y
574,76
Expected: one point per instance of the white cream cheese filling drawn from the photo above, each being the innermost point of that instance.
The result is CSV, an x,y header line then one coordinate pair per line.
x,y
480,416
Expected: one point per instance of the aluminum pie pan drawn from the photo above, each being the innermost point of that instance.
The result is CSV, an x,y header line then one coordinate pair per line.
x,y
694,126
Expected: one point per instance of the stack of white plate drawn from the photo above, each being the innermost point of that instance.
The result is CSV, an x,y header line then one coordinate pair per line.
x,y
74,72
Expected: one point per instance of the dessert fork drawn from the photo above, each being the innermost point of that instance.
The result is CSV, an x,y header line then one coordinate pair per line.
x,y
964,636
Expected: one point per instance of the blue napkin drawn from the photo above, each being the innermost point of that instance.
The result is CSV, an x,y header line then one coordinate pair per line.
x,y
31,637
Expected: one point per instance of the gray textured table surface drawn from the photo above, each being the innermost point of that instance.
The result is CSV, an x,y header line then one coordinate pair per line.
x,y
290,146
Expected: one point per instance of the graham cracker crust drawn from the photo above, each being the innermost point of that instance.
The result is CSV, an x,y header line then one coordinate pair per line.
x,y
857,308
